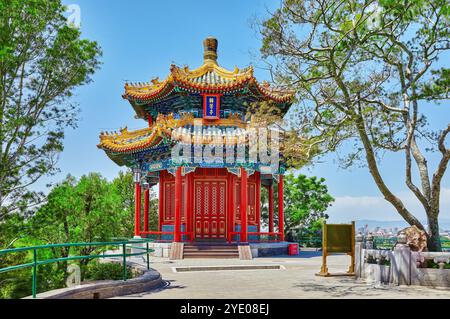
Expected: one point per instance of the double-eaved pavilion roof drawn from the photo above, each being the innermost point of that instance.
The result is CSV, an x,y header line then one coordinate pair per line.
x,y
210,78
126,142
154,142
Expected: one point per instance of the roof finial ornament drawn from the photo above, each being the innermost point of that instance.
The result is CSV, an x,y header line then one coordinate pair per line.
x,y
210,49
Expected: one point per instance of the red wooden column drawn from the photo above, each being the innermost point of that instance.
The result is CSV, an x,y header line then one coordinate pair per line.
x,y
270,190
161,200
243,208
137,209
178,194
230,205
191,205
146,207
281,208
188,206
258,200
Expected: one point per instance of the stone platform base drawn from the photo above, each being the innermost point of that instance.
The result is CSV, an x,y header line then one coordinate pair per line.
x,y
160,249
269,249
257,249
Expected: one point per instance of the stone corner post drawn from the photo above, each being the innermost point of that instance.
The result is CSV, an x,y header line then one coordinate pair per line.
x,y
369,242
401,262
359,245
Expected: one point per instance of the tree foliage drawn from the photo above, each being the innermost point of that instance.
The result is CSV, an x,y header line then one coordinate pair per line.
x,y
306,200
296,147
362,69
42,61
85,210
124,186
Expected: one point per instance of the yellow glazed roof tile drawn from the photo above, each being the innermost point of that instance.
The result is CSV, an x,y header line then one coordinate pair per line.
x,y
209,77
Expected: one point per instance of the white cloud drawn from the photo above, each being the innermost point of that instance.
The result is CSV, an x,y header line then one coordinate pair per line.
x,y
347,208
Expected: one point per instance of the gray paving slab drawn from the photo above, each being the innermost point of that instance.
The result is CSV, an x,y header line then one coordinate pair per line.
x,y
296,279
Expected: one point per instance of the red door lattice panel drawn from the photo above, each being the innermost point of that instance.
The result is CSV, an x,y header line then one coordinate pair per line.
x,y
169,202
210,209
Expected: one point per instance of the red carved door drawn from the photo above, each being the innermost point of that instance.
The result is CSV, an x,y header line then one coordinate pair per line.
x,y
210,209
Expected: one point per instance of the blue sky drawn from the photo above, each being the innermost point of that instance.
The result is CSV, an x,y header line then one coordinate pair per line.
x,y
141,38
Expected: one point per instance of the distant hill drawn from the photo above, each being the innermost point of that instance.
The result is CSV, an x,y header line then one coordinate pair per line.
x,y
444,224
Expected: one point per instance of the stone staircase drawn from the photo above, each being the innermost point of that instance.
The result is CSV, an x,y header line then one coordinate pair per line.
x,y
217,250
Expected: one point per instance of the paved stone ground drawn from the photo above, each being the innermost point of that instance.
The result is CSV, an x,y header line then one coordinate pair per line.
x,y
297,280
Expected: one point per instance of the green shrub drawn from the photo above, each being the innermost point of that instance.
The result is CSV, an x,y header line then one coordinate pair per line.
x,y
105,271
429,263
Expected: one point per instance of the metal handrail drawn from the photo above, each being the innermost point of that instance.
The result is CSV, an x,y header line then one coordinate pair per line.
x,y
35,263
389,242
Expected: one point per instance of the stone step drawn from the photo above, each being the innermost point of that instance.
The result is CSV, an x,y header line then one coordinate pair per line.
x,y
213,243
194,252
216,248
211,255
212,252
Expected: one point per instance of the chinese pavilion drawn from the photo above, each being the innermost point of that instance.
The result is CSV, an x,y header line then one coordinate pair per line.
x,y
201,200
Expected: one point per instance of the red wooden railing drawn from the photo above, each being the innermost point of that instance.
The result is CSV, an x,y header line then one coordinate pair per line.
x,y
151,232
269,234
160,233
274,234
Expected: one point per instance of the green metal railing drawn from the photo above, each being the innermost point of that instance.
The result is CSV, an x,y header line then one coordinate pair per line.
x,y
445,244
384,243
389,243
36,262
379,242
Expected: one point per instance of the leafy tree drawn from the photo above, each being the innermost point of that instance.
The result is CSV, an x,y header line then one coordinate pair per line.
x,y
14,233
362,69
297,149
153,213
306,200
87,210
124,187
42,61
11,230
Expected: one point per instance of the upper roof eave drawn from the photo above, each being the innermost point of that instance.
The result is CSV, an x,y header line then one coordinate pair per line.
x,y
208,78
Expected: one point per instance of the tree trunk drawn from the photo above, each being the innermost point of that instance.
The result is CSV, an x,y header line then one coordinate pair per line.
x,y
433,238
374,171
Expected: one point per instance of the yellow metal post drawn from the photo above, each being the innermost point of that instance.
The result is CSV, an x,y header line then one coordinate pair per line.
x,y
324,268
351,269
